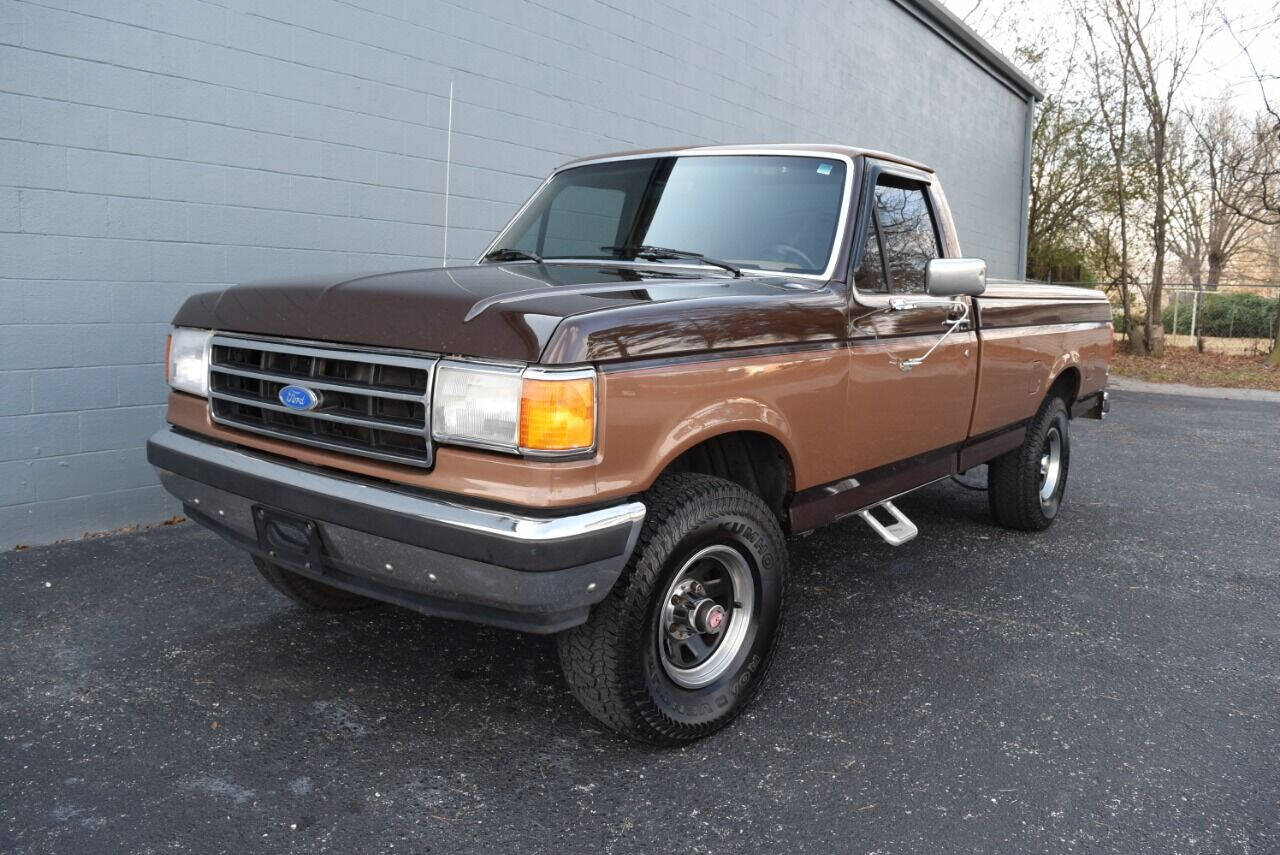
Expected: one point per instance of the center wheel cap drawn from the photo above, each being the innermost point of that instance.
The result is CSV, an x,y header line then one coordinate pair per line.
x,y
709,617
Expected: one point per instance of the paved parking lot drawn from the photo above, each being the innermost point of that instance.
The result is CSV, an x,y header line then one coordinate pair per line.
x,y
1110,685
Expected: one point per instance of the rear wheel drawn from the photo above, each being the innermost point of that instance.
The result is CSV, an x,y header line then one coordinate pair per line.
x,y
1025,486
309,593
684,639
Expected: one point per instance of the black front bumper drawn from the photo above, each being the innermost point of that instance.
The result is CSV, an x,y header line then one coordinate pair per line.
x,y
440,557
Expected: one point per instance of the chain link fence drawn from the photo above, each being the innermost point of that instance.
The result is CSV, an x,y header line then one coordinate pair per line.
x,y
1240,320
1235,319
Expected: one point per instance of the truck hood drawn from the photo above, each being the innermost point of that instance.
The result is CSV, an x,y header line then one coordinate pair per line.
x,y
554,313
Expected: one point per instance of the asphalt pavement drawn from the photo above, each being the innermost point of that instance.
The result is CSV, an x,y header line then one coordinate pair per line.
x,y
1110,685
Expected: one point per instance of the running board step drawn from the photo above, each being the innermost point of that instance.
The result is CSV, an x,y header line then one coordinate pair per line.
x,y
895,534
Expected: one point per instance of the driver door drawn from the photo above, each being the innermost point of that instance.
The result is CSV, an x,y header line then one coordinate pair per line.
x,y
906,422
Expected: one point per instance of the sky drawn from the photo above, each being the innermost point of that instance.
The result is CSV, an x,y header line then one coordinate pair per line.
x,y
1222,69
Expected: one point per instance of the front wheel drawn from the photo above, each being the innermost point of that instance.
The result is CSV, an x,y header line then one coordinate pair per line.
x,y
1025,486
684,639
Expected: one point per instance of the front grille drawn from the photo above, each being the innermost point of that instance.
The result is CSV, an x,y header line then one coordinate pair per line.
x,y
370,404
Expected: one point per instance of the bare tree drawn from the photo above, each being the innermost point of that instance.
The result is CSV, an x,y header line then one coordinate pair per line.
x,y
1187,230
1066,159
1066,155
1167,184
1258,166
1213,209
1063,165
1159,57
995,19
1111,83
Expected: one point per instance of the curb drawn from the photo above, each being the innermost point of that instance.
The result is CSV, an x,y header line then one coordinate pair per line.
x,y
1128,384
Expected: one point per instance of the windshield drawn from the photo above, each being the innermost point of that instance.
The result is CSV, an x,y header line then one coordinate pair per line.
x,y
769,212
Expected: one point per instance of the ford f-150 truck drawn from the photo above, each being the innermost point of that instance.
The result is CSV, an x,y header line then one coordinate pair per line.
x,y
607,425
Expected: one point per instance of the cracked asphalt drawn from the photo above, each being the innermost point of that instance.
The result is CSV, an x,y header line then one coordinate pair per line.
x,y
1110,685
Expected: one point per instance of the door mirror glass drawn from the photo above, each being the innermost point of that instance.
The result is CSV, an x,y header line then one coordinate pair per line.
x,y
955,277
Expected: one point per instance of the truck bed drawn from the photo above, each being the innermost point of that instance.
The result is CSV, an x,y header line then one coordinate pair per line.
x,y
1029,333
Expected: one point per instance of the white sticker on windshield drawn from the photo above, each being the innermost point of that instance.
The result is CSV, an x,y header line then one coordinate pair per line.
x,y
824,169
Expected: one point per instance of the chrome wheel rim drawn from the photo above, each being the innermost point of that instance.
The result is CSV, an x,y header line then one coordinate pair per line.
x,y
1050,465
697,647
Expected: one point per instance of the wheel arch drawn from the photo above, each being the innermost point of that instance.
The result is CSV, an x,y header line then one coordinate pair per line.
x,y
1066,381
752,454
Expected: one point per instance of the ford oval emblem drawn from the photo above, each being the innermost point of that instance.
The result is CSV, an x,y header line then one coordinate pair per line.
x,y
299,398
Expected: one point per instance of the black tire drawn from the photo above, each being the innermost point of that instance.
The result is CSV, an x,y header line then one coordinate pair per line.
x,y
618,664
1015,480
310,594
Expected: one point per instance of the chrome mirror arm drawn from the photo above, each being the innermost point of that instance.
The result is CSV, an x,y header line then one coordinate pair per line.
x,y
953,324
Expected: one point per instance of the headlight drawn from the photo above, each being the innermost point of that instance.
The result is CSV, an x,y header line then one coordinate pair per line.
x,y
477,405
187,368
510,409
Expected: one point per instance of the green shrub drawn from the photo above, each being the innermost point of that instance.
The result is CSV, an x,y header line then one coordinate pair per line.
x,y
1225,315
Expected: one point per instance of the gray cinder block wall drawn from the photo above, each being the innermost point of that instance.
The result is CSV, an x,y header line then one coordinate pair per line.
x,y
149,150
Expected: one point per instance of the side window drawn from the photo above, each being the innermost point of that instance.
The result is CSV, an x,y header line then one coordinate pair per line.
x,y
582,219
908,237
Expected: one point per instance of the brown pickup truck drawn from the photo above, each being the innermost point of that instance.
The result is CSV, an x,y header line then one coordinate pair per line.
x,y
608,424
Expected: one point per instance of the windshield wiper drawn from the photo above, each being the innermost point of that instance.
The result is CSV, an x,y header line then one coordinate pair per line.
x,y
508,253
658,253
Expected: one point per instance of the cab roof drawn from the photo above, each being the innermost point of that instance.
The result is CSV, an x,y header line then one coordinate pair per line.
x,y
848,151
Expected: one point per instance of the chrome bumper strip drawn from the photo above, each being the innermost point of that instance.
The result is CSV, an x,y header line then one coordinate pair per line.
x,y
508,526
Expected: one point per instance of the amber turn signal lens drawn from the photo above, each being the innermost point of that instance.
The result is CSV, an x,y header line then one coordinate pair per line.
x,y
558,415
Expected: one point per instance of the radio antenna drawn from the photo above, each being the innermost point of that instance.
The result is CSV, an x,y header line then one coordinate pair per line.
x,y
448,168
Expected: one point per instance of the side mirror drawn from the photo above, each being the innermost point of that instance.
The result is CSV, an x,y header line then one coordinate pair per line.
x,y
955,277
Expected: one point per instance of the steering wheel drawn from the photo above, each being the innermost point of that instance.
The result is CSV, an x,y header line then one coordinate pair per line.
x,y
788,249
